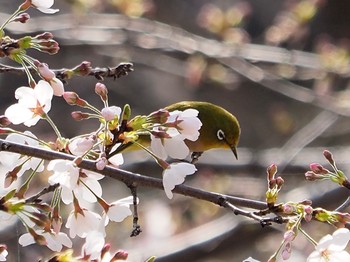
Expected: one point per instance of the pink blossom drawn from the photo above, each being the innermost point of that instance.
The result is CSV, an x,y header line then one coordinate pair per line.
x,y
33,103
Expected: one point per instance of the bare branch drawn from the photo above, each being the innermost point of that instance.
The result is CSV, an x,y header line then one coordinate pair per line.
x,y
64,74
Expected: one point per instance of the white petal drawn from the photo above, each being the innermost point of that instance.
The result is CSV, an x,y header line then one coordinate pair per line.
x,y
48,10
94,243
342,256
26,239
32,121
26,96
42,3
116,160
18,114
176,148
340,240
43,92
118,213
175,175
315,256
57,86
158,148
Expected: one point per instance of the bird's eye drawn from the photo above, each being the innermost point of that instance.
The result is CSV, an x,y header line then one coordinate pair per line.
x,y
220,134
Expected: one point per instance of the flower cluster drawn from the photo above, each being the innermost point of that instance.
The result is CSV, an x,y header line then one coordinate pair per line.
x,y
318,172
274,185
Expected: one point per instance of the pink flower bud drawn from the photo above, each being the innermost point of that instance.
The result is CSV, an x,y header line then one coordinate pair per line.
x,y
101,163
279,182
271,172
72,98
289,236
328,155
83,69
120,255
78,115
312,176
22,18
288,209
44,36
101,90
45,72
287,251
4,121
318,169
111,113
160,116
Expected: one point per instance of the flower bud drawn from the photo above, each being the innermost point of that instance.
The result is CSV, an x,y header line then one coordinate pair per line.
x,y
111,113
271,172
287,251
328,155
289,235
101,163
160,116
318,169
4,121
22,18
45,72
83,69
288,208
44,36
102,91
312,176
120,255
78,115
72,98
279,182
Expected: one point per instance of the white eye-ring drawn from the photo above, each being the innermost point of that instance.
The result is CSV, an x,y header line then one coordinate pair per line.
x,y
220,134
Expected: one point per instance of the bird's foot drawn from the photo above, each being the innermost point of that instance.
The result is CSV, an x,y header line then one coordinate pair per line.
x,y
195,157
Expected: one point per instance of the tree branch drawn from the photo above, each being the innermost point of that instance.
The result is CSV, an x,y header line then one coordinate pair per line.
x,y
64,73
129,178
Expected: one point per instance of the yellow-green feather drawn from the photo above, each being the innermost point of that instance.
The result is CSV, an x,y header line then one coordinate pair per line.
x,y
213,118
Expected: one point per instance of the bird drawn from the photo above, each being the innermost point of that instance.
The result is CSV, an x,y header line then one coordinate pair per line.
x,y
220,129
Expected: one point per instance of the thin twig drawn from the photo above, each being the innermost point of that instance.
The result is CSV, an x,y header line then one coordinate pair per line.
x,y
64,73
264,221
344,205
136,227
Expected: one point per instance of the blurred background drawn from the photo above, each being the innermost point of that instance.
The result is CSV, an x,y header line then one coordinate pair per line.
x,y
282,67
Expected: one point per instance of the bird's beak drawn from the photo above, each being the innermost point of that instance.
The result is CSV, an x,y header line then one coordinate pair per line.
x,y
234,150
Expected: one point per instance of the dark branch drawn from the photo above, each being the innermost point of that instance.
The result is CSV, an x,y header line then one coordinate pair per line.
x,y
130,178
64,74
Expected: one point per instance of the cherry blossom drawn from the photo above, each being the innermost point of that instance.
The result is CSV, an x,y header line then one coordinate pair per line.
x,y
68,176
33,103
331,247
11,160
120,209
110,113
80,145
94,243
53,241
117,159
50,76
81,223
175,175
183,125
44,6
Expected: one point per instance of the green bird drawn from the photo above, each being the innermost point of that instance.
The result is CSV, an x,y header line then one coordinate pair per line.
x,y
220,129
